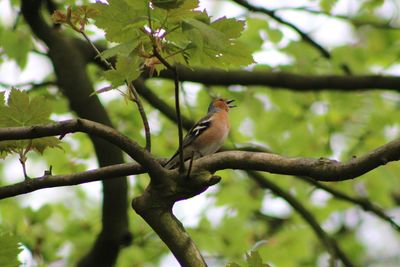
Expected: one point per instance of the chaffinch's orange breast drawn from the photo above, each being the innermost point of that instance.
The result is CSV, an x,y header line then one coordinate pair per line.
x,y
213,138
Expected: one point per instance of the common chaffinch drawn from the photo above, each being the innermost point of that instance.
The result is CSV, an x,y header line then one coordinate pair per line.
x,y
207,135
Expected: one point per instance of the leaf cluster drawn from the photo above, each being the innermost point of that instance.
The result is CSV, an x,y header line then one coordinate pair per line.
x,y
175,30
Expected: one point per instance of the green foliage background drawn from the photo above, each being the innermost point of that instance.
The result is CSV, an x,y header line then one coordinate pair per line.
x,y
307,124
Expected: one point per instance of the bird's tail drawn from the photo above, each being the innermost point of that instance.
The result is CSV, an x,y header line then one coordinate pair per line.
x,y
172,162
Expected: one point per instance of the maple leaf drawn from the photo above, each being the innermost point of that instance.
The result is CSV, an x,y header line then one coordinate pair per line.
x,y
18,111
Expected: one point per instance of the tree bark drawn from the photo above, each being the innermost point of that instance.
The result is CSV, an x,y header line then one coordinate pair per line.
x,y
70,70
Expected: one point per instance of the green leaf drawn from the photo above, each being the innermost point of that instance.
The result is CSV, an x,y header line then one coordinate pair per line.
x,y
16,45
121,20
211,36
236,55
214,44
22,111
254,259
372,4
251,36
231,28
19,111
123,49
274,35
167,4
185,10
43,213
127,69
9,250
327,5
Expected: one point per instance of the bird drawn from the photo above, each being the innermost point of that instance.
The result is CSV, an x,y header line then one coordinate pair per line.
x,y
207,135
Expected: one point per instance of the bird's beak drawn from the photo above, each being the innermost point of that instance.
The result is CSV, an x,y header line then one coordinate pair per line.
x,y
229,103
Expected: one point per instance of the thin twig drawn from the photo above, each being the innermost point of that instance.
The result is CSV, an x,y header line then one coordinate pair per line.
x,y
354,21
131,88
177,105
143,115
109,65
362,202
23,164
186,102
271,13
330,243
31,85
155,101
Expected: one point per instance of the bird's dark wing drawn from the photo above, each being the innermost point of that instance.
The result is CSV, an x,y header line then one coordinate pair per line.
x,y
197,130
193,133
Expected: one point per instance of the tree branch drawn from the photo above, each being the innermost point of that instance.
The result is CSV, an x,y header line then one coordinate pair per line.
x,y
160,104
319,169
364,203
155,207
271,13
386,25
330,243
287,80
143,115
130,86
50,181
90,127
276,79
30,85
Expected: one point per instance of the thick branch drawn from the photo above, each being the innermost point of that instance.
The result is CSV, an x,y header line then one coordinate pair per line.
x,y
93,128
276,79
168,111
157,212
287,80
49,181
318,169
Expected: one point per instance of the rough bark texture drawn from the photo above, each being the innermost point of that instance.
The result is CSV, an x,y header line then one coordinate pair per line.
x,y
70,70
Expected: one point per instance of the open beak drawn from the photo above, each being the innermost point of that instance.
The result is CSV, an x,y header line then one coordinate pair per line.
x,y
229,103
